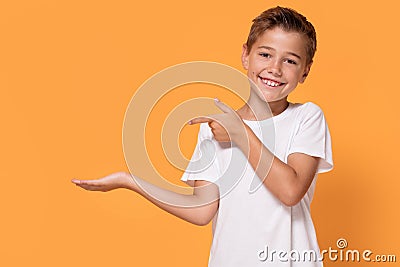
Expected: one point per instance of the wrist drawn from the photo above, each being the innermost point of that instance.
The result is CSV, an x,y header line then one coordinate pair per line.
x,y
239,133
130,183
244,143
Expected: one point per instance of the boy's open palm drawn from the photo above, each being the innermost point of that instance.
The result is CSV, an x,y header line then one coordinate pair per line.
x,y
107,183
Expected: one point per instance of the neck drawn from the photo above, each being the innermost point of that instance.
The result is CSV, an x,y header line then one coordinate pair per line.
x,y
257,109
277,107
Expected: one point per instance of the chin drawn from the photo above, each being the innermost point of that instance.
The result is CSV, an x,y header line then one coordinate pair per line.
x,y
269,98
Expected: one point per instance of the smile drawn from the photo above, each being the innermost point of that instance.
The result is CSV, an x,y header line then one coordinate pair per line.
x,y
271,83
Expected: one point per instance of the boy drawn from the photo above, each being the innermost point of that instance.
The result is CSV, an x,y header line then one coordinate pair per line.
x,y
271,225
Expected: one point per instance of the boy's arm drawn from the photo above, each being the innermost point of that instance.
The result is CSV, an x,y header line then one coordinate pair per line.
x,y
288,182
198,208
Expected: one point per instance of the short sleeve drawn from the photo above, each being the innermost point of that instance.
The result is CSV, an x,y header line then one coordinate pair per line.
x,y
203,165
313,137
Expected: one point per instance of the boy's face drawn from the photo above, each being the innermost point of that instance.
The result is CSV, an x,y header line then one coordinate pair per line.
x,y
276,63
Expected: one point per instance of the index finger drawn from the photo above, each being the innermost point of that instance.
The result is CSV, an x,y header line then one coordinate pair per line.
x,y
200,120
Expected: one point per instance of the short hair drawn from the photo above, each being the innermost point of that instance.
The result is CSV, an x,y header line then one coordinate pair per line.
x,y
288,20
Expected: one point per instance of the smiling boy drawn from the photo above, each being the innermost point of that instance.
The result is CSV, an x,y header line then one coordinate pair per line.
x,y
271,225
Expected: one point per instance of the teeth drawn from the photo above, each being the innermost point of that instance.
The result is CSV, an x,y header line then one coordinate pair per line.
x,y
270,83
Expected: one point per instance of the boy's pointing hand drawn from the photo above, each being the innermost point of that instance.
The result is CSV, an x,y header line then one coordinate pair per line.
x,y
227,126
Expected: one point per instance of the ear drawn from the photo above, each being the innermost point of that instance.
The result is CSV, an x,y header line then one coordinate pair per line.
x,y
305,73
245,57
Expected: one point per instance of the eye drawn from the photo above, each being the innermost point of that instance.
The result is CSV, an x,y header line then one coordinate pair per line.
x,y
265,55
291,61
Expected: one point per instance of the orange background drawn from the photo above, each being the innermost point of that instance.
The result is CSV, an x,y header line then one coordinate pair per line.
x,y
68,70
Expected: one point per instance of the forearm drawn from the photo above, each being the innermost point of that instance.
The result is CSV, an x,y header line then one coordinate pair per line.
x,y
198,208
280,178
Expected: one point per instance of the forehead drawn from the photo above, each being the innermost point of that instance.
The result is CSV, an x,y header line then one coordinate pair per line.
x,y
283,41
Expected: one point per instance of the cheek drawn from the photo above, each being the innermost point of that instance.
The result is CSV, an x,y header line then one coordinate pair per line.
x,y
255,64
251,71
293,73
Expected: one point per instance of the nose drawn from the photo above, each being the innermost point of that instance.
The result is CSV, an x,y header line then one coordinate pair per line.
x,y
275,68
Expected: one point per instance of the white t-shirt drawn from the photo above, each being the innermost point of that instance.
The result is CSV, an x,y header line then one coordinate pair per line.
x,y
252,227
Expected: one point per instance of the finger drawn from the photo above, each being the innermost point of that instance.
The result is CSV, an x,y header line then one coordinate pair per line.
x,y
89,187
76,181
222,106
86,182
200,120
211,124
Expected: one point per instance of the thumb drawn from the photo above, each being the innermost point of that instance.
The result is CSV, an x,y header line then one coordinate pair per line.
x,y
222,106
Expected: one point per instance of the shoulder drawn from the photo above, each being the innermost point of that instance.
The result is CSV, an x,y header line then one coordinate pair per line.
x,y
308,110
308,115
310,107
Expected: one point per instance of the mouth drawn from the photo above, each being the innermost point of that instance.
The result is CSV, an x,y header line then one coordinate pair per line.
x,y
270,83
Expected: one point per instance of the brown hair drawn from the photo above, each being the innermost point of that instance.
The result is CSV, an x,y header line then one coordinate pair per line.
x,y
287,19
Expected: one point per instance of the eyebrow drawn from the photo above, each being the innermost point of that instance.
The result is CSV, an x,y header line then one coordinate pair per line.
x,y
270,48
